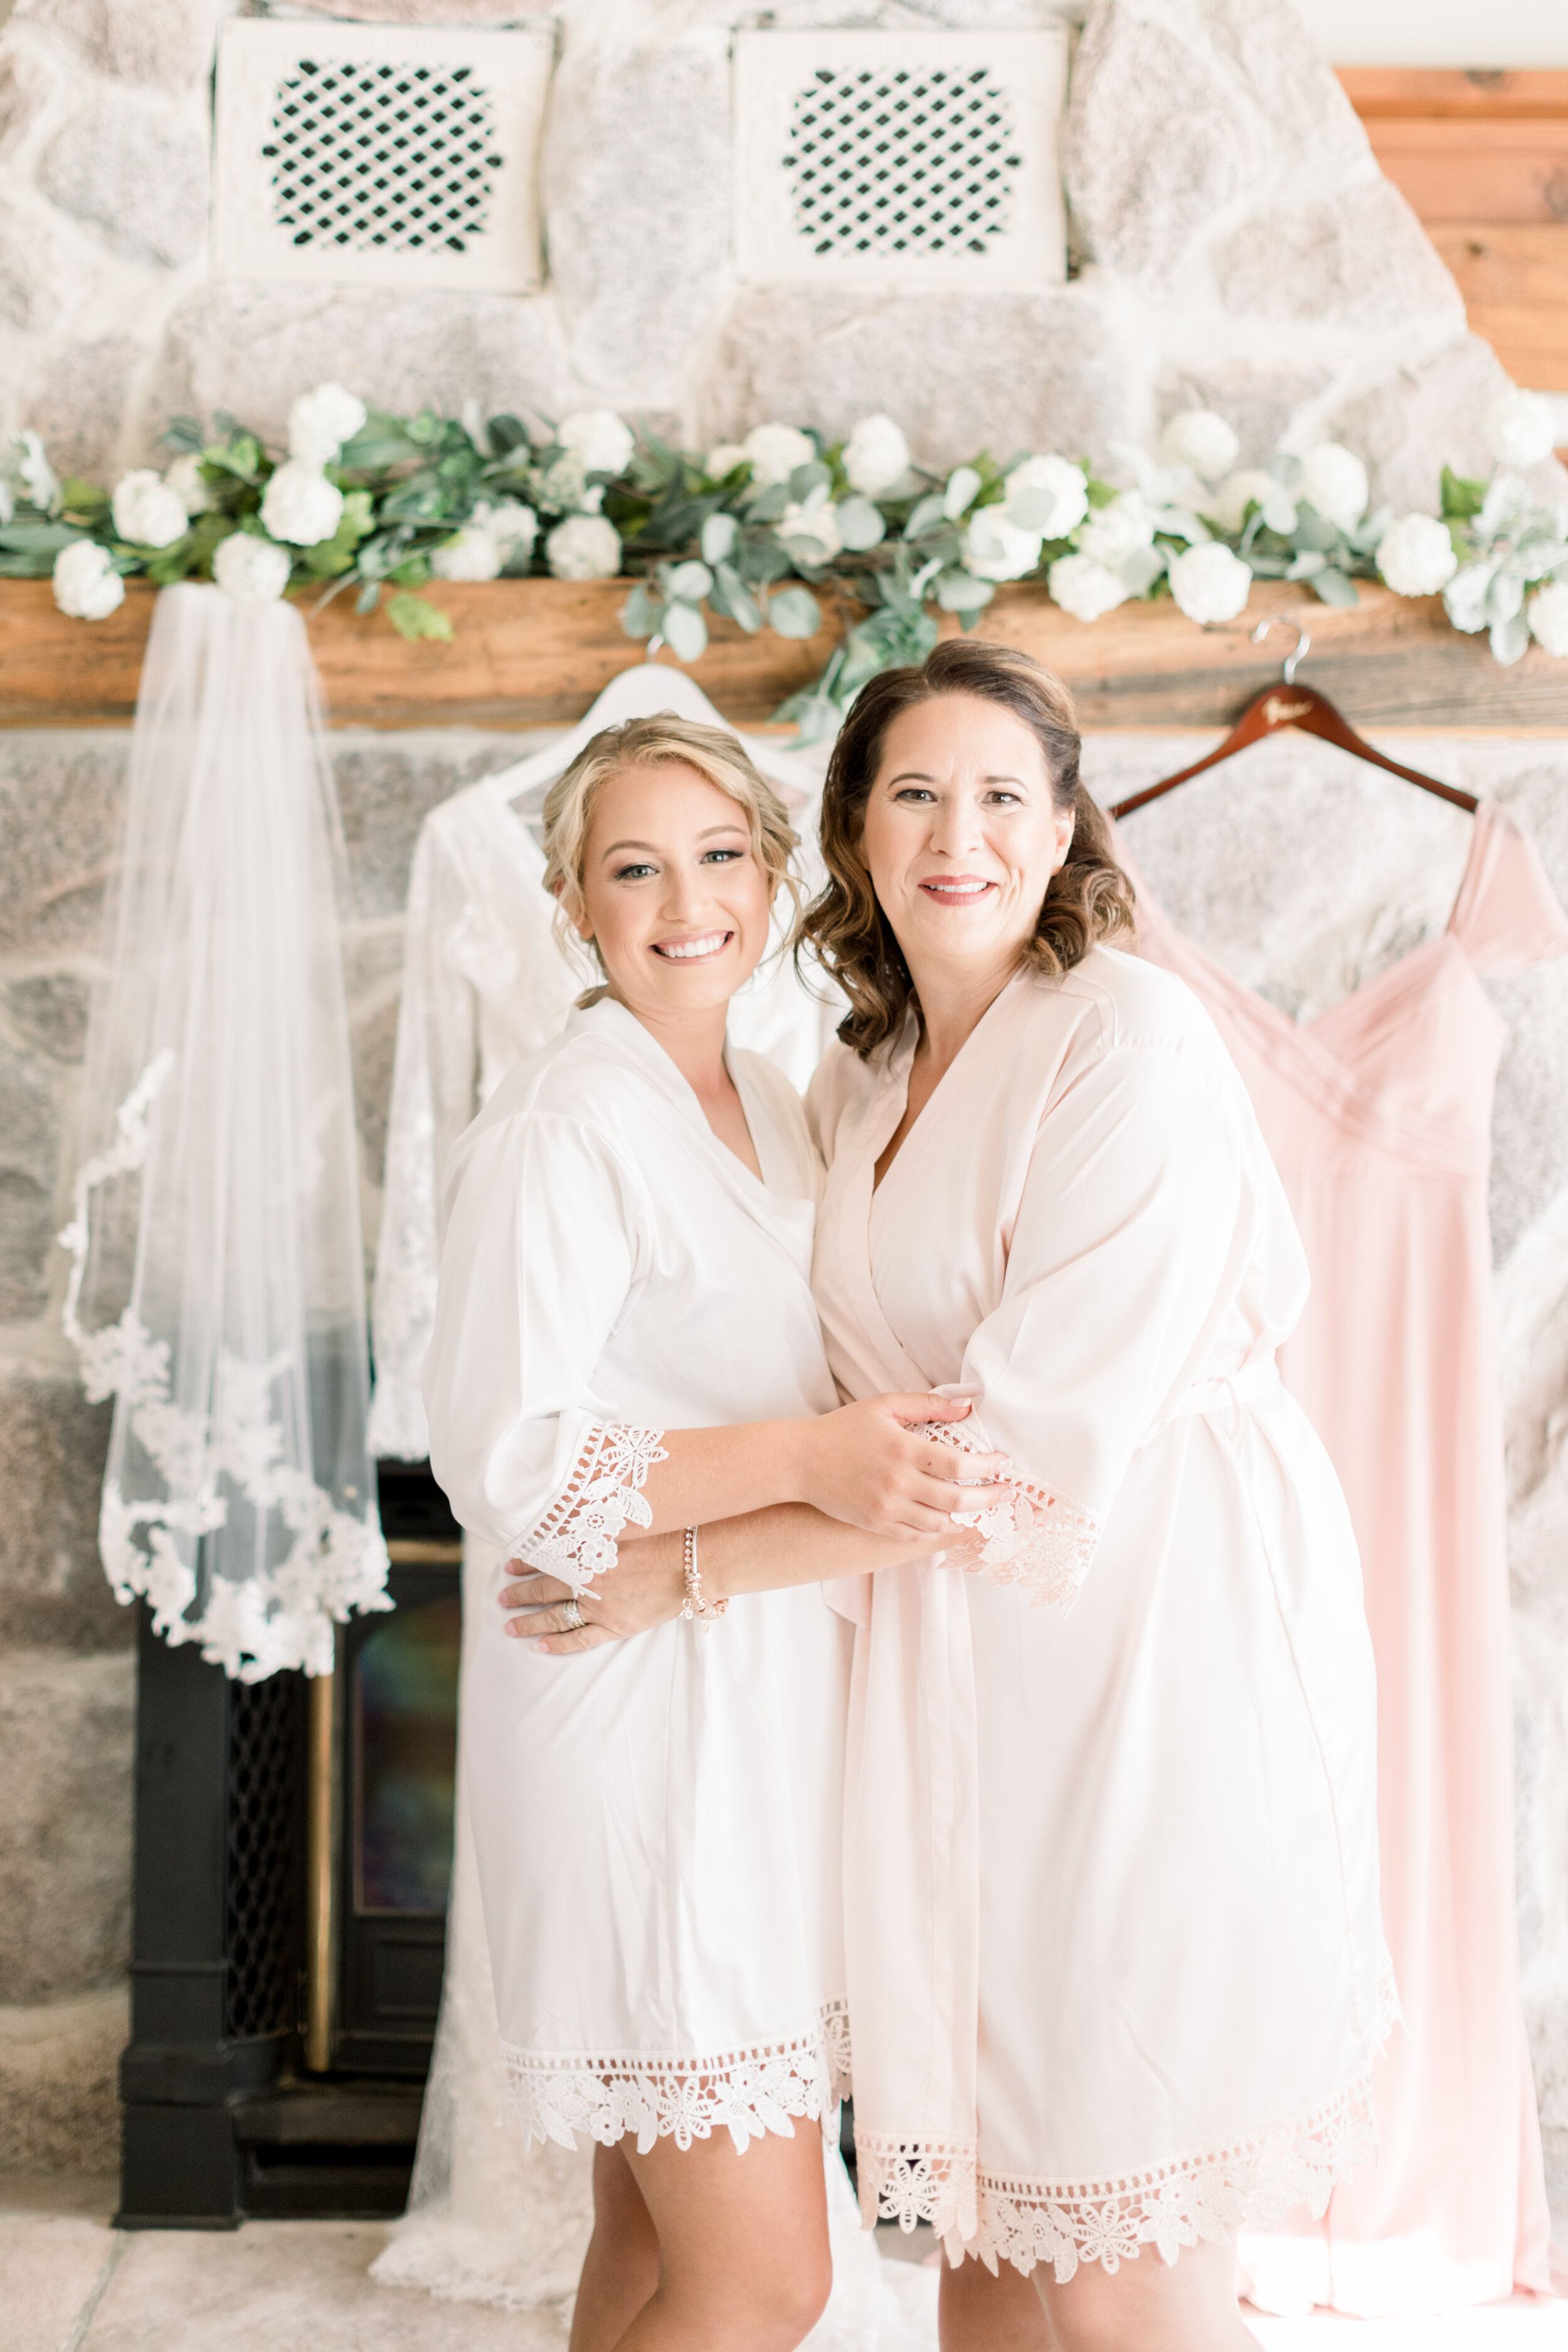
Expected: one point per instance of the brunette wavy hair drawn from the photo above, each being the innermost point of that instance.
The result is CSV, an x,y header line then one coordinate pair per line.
x,y
1088,899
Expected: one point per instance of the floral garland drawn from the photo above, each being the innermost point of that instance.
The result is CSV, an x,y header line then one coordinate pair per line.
x,y
762,530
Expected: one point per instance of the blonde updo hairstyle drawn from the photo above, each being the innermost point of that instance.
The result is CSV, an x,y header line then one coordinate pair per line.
x,y
1087,899
660,742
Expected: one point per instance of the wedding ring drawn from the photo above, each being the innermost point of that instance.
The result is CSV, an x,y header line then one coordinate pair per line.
x,y
573,1616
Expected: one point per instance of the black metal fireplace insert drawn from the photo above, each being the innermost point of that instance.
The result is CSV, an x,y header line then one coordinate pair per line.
x,y
292,1849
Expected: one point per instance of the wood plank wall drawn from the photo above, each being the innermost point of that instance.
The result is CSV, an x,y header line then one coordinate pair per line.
x,y
1483,157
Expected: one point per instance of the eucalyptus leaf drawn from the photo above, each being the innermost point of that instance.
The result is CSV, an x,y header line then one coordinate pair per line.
x,y
689,582
1286,470
739,601
369,597
795,613
415,616
961,485
769,504
1332,587
814,476
643,612
184,433
927,514
685,631
38,538
720,533
1307,565
508,433
1461,495
1509,640
861,526
1313,530
958,592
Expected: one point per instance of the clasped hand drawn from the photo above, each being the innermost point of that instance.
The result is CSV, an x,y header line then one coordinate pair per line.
x,y
867,1464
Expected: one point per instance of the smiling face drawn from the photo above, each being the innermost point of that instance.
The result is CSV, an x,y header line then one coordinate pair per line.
x,y
961,837
675,896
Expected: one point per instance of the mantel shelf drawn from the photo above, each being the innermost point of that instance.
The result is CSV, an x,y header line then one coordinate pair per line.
x,y
530,652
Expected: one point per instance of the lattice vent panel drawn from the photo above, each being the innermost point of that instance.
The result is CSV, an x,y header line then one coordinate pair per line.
x,y
903,162
899,158
380,154
265,1899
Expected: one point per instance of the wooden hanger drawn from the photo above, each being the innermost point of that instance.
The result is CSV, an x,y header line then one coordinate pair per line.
x,y
1302,706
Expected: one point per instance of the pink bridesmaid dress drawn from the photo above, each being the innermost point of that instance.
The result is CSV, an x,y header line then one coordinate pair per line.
x,y
1378,1115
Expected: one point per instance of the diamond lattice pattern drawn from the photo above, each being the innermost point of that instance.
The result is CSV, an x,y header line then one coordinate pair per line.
x,y
368,155
917,162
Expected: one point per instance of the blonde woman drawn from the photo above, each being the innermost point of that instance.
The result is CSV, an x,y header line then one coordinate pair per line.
x,y
627,1276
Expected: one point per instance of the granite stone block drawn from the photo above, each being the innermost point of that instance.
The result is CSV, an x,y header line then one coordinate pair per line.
x,y
67,1728
1429,416
1055,376
168,43
639,221
49,1009
1358,259
138,176
29,1165
53,1590
82,400
59,2110
61,800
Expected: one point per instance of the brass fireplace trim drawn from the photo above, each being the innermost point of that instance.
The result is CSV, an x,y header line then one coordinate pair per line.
x,y
322,1863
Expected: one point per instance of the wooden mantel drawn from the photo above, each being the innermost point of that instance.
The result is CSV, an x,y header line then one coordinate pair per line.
x,y
530,652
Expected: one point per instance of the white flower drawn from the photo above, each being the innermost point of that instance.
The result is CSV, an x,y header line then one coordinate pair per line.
x,y
512,526
1083,587
1547,613
35,473
185,478
1112,533
875,455
1520,429
1227,505
775,450
583,547
469,554
995,549
320,421
146,512
814,523
598,439
724,458
1333,480
87,586
1415,556
300,505
1048,494
251,571
1198,438
1209,582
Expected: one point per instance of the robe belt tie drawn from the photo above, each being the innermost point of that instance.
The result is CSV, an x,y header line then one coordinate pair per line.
x,y
1225,1393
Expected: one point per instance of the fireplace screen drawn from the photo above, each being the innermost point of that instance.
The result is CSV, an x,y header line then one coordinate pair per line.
x,y
405,1758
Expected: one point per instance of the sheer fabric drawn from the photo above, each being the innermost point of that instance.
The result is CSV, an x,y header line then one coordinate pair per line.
x,y
1378,1113
216,1287
1138,1847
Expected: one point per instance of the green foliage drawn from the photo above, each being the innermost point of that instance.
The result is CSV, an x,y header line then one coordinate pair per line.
x,y
1461,497
415,616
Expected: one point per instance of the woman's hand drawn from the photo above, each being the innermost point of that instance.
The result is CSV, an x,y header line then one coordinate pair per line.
x,y
868,1465
646,1587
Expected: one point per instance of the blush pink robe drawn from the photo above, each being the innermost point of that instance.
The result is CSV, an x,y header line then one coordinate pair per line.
x,y
1378,1116
1111,1918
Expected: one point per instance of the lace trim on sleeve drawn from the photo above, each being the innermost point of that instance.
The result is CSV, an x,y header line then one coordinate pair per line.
x,y
553,2096
576,1539
1038,1539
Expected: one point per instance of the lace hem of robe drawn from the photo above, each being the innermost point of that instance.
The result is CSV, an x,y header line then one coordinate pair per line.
x,y
1038,1539
1169,2206
576,1537
553,2096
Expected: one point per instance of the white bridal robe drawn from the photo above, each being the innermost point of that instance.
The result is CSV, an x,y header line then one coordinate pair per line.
x,y
1115,1957
657,1823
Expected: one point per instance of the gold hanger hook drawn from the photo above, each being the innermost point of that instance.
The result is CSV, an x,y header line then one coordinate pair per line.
x,y
1299,652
